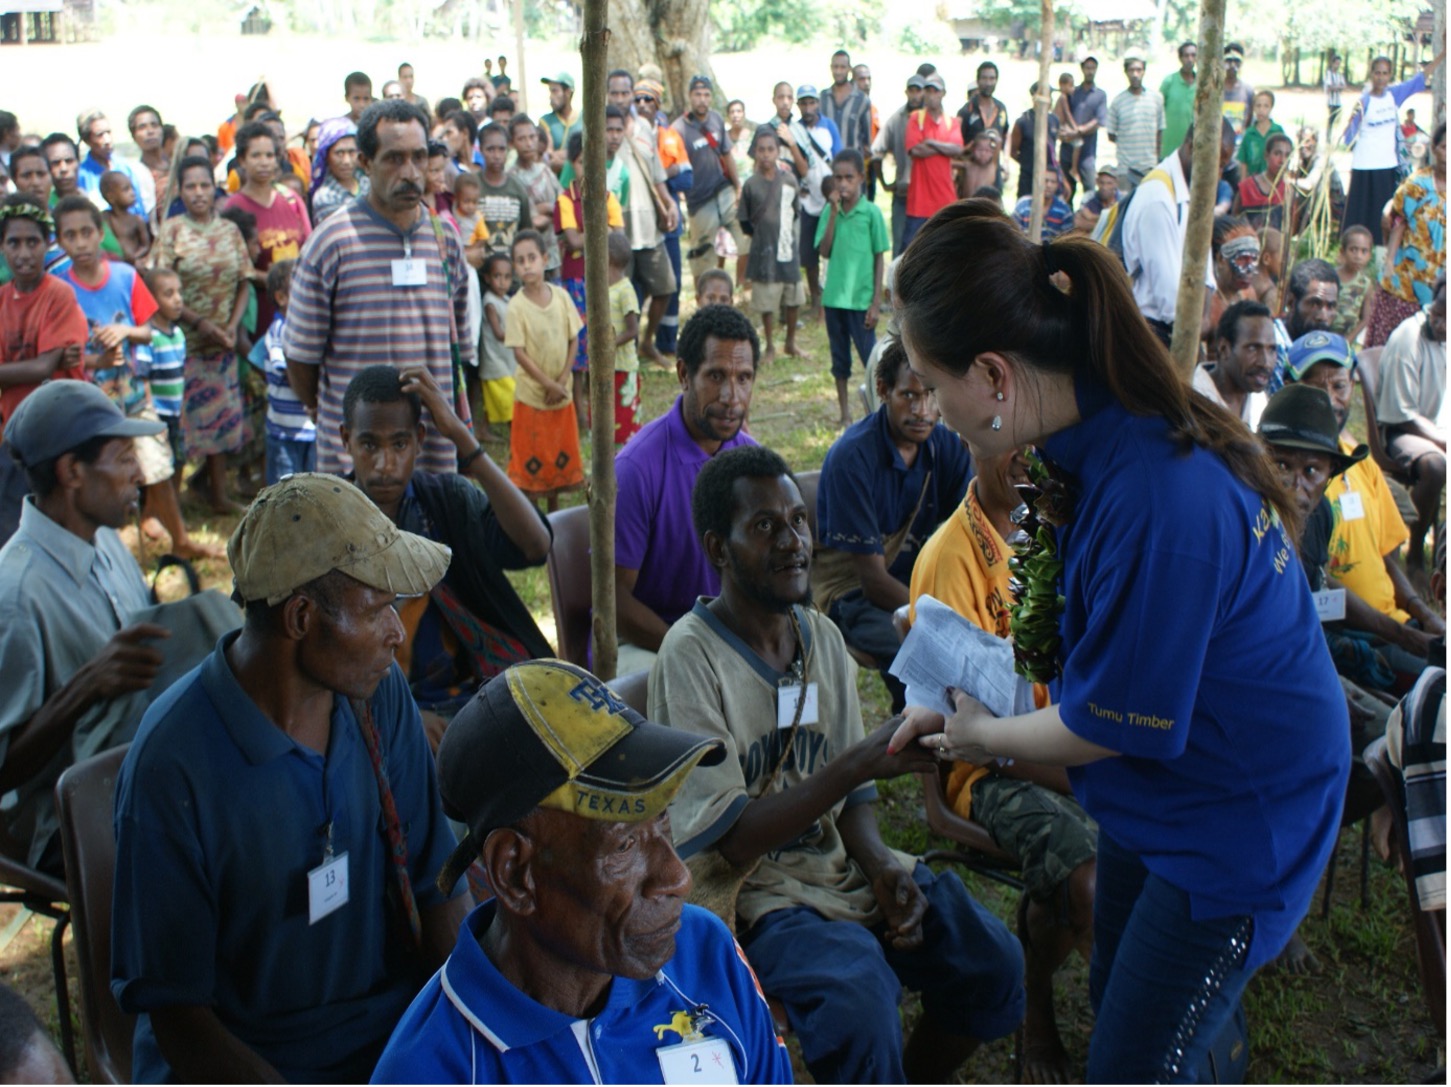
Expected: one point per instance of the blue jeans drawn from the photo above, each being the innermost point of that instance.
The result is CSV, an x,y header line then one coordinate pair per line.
x,y
285,458
899,220
841,984
845,327
913,224
1163,986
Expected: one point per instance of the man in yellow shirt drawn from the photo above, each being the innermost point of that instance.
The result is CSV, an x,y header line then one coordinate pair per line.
x,y
1369,532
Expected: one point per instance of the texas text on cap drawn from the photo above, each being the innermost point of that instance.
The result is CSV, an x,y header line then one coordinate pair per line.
x,y
1319,346
61,415
563,78
806,90
308,525
548,734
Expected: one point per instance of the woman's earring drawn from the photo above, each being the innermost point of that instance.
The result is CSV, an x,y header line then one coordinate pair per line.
x,y
997,422
1000,395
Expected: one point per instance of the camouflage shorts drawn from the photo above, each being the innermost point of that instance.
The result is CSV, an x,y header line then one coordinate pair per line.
x,y
1049,834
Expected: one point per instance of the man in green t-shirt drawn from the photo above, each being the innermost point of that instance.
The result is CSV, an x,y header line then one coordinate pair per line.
x,y
1177,90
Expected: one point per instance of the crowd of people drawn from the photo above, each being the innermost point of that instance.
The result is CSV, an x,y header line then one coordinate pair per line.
x,y
400,841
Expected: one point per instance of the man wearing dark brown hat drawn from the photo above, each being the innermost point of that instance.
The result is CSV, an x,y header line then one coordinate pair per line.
x,y
278,820
587,966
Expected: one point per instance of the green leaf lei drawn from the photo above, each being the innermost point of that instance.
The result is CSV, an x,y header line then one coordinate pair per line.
x,y
1038,572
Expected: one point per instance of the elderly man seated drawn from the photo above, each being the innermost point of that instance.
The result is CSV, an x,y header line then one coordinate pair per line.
x,y
586,966
75,672
886,484
835,921
1409,399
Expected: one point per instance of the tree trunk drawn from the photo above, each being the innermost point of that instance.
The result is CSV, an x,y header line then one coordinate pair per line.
x,y
674,34
520,83
1438,81
1203,183
1040,125
594,51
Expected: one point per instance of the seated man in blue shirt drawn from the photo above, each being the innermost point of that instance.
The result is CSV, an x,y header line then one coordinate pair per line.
x,y
76,670
586,966
277,818
471,625
886,485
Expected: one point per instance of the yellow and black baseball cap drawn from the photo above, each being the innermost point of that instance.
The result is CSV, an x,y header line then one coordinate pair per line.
x,y
549,734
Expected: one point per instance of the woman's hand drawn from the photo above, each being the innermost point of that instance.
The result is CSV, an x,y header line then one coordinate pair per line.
x,y
957,737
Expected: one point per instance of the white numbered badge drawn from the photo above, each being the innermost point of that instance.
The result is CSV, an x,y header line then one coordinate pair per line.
x,y
1330,605
409,272
786,699
1351,506
706,1061
327,888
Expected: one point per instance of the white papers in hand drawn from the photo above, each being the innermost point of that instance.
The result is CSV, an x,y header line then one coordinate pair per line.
x,y
944,650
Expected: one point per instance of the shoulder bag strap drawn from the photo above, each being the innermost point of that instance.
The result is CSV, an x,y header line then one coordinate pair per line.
x,y
392,827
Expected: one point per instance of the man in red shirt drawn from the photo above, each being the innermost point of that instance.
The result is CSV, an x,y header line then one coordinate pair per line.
x,y
934,141
42,328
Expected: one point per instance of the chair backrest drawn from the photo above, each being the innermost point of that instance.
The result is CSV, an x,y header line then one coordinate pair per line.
x,y
569,583
808,482
1429,927
85,799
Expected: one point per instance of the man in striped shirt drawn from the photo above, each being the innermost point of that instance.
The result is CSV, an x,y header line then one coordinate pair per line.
x,y
1136,126
381,281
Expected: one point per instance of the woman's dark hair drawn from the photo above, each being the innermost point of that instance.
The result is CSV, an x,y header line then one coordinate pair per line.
x,y
722,322
463,120
1223,226
712,501
1002,300
193,162
253,130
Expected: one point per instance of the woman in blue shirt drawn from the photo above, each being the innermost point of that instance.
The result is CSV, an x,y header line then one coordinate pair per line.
x,y
1196,706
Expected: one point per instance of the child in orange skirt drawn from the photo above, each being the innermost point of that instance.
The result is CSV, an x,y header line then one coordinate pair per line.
x,y
541,325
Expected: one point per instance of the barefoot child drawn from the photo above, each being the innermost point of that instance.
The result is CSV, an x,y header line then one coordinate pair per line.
x,y
130,230
569,224
625,323
770,204
291,432
853,237
496,361
118,305
541,327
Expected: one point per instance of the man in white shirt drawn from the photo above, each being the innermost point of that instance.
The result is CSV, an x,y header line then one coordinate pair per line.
x,y
1153,233
892,140
1409,402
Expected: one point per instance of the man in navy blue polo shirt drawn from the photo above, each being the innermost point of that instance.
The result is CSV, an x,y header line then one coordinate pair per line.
x,y
278,821
886,485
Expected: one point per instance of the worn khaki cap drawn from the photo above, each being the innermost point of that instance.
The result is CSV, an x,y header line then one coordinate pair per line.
x,y
310,524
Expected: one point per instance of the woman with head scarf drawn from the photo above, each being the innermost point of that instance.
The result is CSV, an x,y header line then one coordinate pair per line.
x,y
336,178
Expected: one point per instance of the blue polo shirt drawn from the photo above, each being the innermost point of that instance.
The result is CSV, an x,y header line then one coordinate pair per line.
x,y
219,818
471,1025
867,492
654,534
1191,645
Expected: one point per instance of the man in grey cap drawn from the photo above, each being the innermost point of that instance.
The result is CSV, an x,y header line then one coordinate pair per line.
x,y
278,820
892,140
76,671
711,201
586,966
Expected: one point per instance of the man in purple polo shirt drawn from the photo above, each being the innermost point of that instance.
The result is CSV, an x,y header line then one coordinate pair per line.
x,y
660,568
